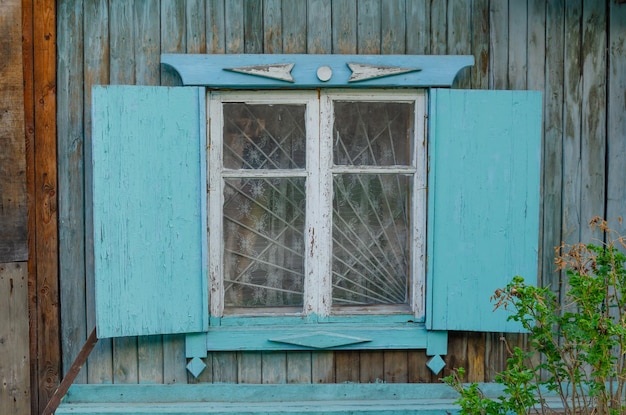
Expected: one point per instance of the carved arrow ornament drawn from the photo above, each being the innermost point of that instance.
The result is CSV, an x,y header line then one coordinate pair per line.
x,y
280,71
363,72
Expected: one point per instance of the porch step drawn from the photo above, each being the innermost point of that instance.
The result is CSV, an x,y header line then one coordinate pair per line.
x,y
309,399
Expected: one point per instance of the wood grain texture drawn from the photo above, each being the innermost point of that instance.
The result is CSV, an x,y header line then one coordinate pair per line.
x,y
272,26
96,72
319,26
347,364
616,118
371,366
294,26
215,27
393,27
234,26
253,26
14,357
48,355
13,198
368,27
70,127
344,27
418,27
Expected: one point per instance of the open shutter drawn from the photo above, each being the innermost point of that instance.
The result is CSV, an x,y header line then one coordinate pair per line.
x,y
483,217
148,160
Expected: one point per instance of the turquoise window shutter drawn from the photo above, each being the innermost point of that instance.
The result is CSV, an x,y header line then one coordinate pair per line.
x,y
148,167
483,207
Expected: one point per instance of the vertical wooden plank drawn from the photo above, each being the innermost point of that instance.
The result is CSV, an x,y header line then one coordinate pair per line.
x,y
457,352
174,361
347,366
438,27
418,27
28,59
249,367
45,200
480,44
593,137
13,198
294,26
96,72
396,362
572,105
299,367
553,140
272,26
173,36
518,44
122,72
253,26
417,370
616,117
371,366
393,27
319,26
344,26
225,367
459,37
14,358
146,38
215,27
368,27
71,181
476,345
274,367
234,26
323,367
499,44
195,28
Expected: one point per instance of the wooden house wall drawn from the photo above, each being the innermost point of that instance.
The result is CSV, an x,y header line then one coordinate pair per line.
x,y
573,51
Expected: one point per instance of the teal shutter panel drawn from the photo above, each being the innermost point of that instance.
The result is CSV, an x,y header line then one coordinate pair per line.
x,y
148,167
483,207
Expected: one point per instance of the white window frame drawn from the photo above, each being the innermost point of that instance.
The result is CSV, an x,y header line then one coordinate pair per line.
x,y
318,215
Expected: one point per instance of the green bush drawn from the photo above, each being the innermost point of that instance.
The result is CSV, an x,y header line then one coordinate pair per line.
x,y
576,343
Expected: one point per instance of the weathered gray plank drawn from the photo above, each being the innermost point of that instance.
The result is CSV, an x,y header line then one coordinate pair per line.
x,y
616,118
319,28
572,97
250,367
234,26
499,41
480,44
14,358
195,28
294,26
150,359
344,26
96,72
518,44
593,137
225,367
13,196
173,39
553,145
122,71
71,178
438,27
215,27
347,366
299,367
368,26
393,27
274,367
174,362
253,26
418,27
459,39
323,367
272,26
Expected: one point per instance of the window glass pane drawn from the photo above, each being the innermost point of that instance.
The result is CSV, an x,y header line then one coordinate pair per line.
x,y
264,136
372,133
370,252
263,242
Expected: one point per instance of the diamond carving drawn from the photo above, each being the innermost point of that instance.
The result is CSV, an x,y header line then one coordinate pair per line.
x,y
320,340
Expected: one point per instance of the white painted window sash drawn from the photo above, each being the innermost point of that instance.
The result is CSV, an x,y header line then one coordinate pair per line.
x,y
319,182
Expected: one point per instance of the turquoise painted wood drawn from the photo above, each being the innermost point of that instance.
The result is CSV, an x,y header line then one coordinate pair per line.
x,y
334,399
149,174
210,70
483,215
